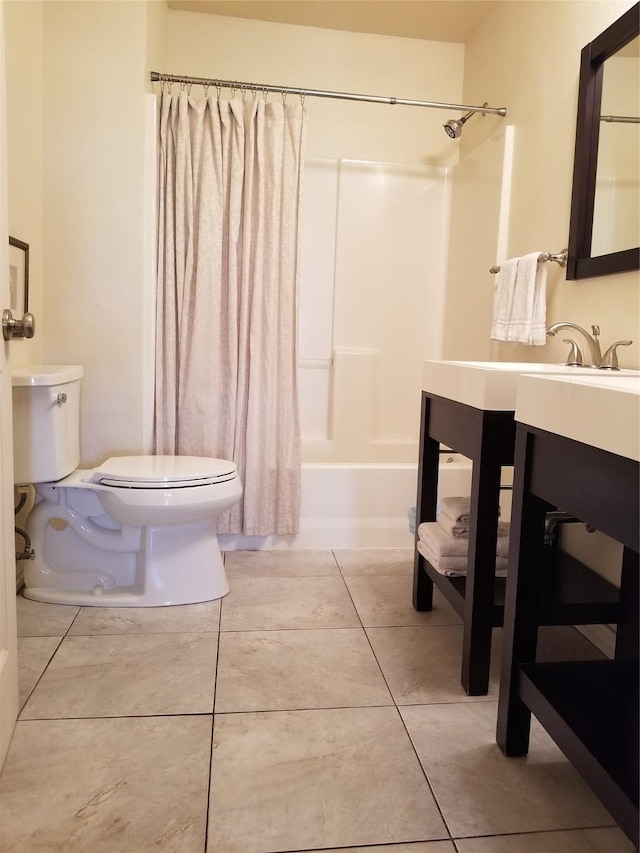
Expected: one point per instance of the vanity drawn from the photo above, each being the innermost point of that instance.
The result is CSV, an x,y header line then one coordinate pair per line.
x,y
577,447
469,407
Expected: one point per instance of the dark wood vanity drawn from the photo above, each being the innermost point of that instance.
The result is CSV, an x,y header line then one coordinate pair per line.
x,y
571,594
590,708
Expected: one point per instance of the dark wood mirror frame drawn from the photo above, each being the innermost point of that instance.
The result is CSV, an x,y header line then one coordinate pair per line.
x,y
580,263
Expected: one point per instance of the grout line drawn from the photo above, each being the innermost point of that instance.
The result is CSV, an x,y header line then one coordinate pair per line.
x,y
213,726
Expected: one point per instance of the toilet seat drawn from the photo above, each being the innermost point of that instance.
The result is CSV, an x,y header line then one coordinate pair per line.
x,y
163,472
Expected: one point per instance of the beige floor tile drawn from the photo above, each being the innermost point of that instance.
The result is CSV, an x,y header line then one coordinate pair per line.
x,y
415,847
571,841
375,561
482,792
277,670
299,780
106,786
127,676
181,619
386,601
422,664
34,653
255,604
37,619
292,563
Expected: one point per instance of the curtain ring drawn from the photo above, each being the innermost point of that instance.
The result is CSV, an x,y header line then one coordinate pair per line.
x,y
284,97
205,86
265,94
303,95
243,95
189,85
219,91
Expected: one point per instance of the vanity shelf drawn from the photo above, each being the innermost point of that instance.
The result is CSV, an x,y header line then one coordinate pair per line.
x,y
590,709
571,593
486,437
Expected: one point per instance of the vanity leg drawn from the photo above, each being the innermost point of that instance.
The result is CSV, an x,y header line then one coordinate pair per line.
x,y
426,501
479,591
627,634
521,606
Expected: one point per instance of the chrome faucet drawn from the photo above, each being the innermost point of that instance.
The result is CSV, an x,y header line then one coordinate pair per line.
x,y
607,362
593,344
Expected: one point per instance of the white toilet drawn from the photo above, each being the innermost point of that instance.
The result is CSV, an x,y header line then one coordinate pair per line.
x,y
138,531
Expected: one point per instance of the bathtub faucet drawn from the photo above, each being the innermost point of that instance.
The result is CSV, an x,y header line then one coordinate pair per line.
x,y
607,362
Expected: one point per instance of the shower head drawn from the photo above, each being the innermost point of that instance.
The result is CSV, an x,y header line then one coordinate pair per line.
x,y
453,127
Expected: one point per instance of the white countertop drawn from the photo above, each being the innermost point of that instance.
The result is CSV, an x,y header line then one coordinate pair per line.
x,y
492,385
601,408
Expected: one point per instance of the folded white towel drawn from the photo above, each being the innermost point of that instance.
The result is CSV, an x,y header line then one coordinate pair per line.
x,y
455,566
443,545
451,527
461,531
520,301
458,508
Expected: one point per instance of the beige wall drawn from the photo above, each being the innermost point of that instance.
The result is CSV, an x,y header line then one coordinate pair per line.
x,y
24,63
255,51
78,172
526,56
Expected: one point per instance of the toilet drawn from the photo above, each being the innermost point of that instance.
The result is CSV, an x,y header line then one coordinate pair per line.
x,y
137,531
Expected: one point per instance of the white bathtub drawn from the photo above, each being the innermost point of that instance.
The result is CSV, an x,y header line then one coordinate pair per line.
x,y
359,505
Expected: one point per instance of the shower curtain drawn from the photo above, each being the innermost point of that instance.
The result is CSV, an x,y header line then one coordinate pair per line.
x,y
226,344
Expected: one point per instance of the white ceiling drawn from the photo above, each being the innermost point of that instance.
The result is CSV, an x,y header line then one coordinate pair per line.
x,y
436,20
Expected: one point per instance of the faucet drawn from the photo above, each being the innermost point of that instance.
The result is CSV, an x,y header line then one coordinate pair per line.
x,y
607,362
593,345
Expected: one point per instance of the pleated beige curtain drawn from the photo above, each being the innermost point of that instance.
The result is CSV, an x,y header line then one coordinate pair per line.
x,y
229,201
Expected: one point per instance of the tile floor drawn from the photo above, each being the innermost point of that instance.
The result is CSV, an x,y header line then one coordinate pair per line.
x,y
311,709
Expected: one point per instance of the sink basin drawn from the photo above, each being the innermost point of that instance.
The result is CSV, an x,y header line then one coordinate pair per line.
x,y
492,385
596,409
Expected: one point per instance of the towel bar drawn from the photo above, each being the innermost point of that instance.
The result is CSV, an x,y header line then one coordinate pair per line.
x,y
558,257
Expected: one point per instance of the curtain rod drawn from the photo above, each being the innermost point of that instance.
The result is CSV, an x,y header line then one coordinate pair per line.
x,y
319,93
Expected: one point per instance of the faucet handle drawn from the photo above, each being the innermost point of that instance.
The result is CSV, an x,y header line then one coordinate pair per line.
x,y
574,359
610,358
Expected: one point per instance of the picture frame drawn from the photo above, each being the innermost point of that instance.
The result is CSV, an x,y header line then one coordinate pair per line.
x,y
18,277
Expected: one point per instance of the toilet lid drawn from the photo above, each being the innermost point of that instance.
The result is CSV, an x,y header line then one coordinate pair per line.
x,y
162,472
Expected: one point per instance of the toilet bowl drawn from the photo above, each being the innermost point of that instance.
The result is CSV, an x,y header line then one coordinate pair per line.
x,y
137,531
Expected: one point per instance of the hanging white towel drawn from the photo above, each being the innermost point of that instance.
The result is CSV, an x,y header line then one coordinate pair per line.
x,y
520,301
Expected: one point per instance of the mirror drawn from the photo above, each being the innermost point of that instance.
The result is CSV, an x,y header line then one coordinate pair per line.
x,y
604,234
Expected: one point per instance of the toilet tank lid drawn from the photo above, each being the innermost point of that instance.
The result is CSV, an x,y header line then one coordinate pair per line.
x,y
46,374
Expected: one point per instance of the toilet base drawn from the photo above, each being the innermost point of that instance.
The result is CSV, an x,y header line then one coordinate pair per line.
x,y
175,565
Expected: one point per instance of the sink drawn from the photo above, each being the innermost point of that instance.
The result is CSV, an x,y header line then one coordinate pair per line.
x,y
492,385
600,410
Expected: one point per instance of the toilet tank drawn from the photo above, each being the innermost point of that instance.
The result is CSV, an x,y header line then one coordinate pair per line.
x,y
46,422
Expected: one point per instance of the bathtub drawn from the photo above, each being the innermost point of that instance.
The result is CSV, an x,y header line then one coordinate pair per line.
x,y
359,505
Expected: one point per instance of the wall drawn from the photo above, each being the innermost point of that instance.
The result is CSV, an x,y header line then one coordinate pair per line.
x,y
526,56
25,102
280,54
77,183
96,210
